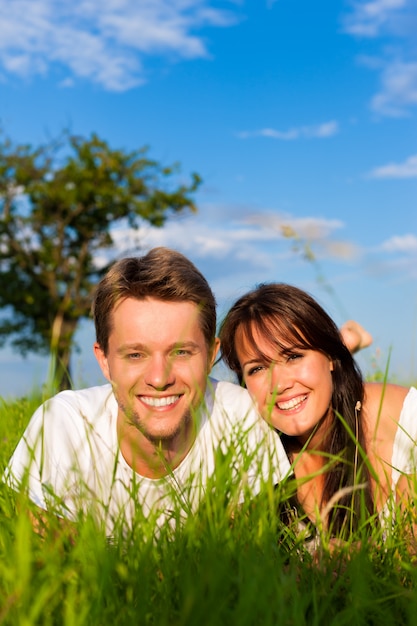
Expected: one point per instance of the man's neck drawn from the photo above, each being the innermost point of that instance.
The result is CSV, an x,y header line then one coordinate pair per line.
x,y
153,459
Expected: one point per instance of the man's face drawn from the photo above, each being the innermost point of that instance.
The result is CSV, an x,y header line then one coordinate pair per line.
x,y
157,362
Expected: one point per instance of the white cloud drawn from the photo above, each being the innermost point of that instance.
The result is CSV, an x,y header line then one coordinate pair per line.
x,y
368,18
405,244
309,228
104,41
254,241
408,169
257,239
396,62
399,89
326,129
207,239
240,251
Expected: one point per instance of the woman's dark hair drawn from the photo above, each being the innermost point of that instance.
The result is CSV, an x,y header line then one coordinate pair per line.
x,y
288,316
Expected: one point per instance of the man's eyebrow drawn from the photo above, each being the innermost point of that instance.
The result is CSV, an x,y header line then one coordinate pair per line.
x,y
141,347
183,344
137,347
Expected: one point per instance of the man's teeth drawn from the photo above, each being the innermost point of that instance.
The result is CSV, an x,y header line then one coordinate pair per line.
x,y
158,402
291,404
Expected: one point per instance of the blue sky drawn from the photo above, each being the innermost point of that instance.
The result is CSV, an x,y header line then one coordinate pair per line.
x,y
300,117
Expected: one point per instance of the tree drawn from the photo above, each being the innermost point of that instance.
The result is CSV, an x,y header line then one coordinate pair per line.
x,y
60,203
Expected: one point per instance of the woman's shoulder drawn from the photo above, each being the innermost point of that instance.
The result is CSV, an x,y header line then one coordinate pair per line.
x,y
384,401
388,391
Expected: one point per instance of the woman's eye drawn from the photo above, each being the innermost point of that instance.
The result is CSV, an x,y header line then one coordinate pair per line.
x,y
255,370
294,356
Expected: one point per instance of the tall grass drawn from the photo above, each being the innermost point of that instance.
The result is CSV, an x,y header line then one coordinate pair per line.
x,y
224,565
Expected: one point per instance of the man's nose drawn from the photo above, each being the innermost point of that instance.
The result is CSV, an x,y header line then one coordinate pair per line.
x,y
159,373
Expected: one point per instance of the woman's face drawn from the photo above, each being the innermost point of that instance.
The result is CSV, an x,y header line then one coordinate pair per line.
x,y
292,389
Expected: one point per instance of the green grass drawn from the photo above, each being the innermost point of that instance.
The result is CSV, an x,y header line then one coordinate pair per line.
x,y
245,569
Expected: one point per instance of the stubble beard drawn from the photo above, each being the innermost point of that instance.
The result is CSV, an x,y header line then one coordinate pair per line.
x,y
163,439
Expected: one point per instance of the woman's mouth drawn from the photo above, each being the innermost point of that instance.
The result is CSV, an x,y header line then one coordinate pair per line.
x,y
291,404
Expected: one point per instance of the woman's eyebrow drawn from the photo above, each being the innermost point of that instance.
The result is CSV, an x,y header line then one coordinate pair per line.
x,y
259,358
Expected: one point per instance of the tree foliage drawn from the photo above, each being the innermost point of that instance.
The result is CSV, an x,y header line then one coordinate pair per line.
x,y
60,203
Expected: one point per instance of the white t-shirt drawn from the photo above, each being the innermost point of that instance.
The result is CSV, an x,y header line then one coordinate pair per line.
x,y
404,452
70,462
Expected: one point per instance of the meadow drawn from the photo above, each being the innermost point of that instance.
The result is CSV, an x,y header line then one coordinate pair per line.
x,y
244,568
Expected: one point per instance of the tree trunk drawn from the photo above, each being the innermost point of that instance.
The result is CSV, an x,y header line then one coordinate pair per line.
x,y
61,342
63,369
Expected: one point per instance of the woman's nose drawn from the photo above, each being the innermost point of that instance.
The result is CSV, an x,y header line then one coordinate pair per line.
x,y
281,378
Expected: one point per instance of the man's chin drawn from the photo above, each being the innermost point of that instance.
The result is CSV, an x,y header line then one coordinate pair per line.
x,y
153,428
161,437
166,436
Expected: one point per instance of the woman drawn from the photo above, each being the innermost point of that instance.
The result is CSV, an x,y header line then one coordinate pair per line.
x,y
350,442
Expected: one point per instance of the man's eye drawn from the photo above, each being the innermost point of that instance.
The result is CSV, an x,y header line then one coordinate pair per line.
x,y
134,355
181,352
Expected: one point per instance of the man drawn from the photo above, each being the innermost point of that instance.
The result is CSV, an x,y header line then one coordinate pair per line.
x,y
149,440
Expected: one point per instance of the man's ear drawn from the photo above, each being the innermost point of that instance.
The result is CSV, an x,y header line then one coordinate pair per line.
x,y
215,351
102,360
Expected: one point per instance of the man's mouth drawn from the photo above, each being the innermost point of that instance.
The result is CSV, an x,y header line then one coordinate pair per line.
x,y
159,402
291,404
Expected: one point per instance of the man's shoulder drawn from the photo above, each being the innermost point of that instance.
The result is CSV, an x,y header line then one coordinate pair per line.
x,y
87,403
82,395
227,391
87,394
228,403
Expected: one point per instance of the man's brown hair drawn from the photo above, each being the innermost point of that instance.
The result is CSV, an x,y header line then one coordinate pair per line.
x,y
163,274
